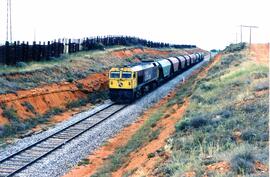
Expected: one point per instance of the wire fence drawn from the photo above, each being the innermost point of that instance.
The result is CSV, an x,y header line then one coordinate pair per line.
x,y
12,53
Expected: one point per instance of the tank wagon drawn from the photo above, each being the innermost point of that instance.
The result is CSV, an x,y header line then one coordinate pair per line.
x,y
128,83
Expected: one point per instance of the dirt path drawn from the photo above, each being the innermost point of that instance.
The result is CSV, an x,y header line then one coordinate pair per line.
x,y
260,53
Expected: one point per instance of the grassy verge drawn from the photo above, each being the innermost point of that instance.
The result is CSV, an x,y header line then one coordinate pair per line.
x,y
227,120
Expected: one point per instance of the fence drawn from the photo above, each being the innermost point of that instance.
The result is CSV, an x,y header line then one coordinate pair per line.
x,y
11,53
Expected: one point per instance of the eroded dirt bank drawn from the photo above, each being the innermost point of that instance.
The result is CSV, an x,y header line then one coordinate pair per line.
x,y
29,103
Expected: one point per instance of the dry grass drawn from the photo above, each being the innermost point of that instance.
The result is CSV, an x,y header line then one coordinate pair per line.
x,y
223,104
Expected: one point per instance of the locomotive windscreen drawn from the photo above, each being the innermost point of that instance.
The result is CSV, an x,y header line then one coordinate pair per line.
x,y
115,74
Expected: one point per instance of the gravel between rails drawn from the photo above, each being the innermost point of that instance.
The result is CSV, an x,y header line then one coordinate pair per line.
x,y
63,159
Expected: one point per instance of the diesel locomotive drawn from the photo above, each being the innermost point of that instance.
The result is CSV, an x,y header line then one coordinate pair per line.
x,y
130,82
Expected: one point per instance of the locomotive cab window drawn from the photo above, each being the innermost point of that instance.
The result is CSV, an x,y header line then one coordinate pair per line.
x,y
126,74
115,74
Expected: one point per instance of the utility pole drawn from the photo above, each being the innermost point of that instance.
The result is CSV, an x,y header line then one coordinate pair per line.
x,y
241,32
250,34
9,25
250,27
236,38
7,20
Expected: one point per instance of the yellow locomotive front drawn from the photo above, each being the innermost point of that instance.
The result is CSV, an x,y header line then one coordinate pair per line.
x,y
122,82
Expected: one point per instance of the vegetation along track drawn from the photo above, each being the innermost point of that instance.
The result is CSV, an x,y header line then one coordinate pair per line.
x,y
20,160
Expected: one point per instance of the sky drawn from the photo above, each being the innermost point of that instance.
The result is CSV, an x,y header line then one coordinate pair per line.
x,y
209,24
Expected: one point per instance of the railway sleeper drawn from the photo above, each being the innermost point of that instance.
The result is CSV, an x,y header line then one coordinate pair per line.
x,y
36,152
73,129
53,140
83,127
13,165
68,133
90,122
73,132
37,148
5,173
80,126
25,156
67,136
59,138
99,115
8,168
44,145
48,148
21,157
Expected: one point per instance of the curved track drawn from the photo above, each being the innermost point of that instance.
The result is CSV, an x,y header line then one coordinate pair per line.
x,y
20,160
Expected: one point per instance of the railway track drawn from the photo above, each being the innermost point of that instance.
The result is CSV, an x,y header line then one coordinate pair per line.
x,y
22,159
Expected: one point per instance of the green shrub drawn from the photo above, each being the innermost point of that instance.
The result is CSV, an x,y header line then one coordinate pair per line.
x,y
234,47
195,122
70,79
29,107
79,86
262,86
259,75
76,103
129,60
207,86
154,134
10,114
182,125
243,163
198,122
84,162
150,155
248,135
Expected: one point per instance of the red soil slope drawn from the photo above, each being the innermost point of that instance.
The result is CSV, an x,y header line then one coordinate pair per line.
x,y
51,96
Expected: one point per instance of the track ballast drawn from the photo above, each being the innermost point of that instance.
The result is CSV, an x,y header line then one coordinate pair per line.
x,y
20,160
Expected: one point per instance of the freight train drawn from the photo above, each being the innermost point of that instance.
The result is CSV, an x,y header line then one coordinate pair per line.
x,y
128,83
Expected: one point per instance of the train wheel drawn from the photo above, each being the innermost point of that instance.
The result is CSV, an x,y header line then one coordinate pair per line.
x,y
154,85
138,94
